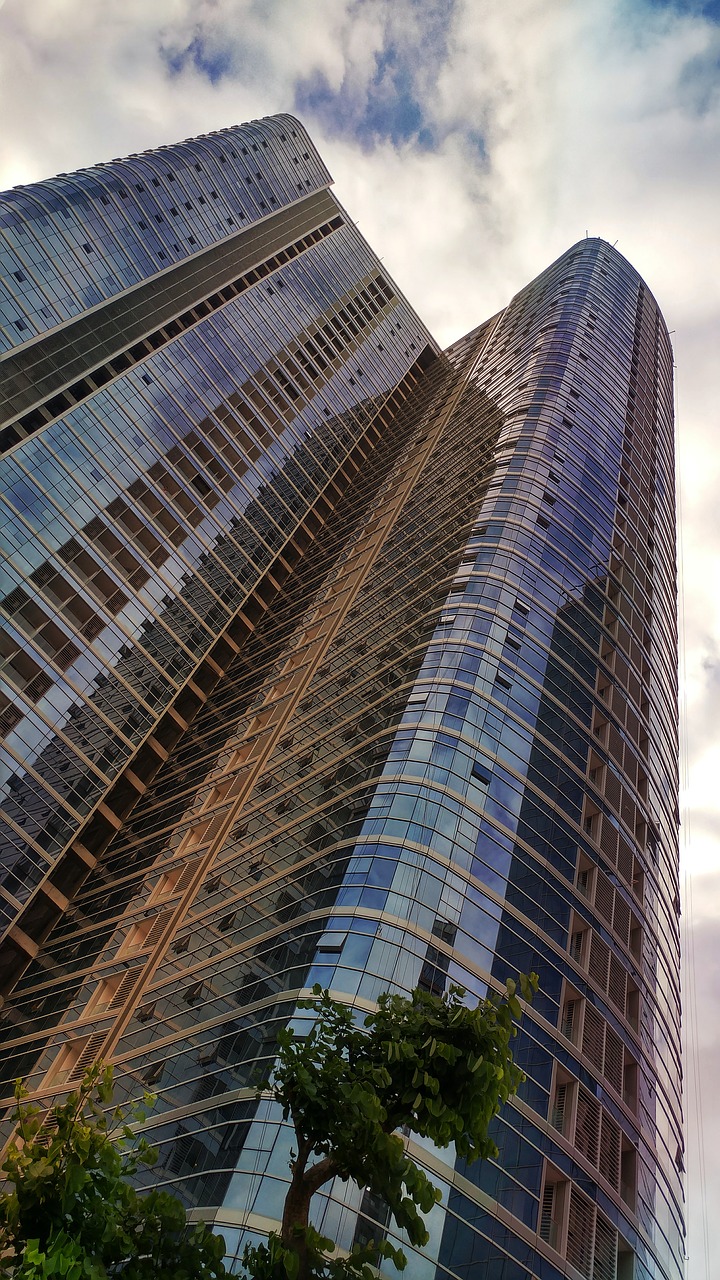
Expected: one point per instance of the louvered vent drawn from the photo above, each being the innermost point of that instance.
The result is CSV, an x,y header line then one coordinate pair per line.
x,y
560,1107
581,1232
85,1058
570,1019
598,961
606,1251
157,928
576,945
593,1042
186,875
123,989
587,1125
548,1231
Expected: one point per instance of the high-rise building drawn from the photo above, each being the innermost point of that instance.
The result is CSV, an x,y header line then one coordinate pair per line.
x,y
331,657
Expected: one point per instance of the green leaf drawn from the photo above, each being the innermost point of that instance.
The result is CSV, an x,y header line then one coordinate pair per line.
x,y
291,1263
432,1063
69,1210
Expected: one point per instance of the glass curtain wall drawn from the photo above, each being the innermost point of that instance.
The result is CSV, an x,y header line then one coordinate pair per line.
x,y
440,744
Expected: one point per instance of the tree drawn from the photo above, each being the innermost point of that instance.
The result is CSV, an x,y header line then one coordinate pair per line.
x,y
430,1064
71,1211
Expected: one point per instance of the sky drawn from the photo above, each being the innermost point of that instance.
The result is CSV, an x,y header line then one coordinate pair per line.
x,y
473,141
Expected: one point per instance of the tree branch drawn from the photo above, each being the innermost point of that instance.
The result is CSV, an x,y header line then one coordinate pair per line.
x,y
320,1173
304,1146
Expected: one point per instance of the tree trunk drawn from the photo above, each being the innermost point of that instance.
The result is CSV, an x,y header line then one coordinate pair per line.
x,y
294,1221
296,1210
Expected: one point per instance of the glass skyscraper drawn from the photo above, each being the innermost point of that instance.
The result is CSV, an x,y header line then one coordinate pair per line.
x,y
333,657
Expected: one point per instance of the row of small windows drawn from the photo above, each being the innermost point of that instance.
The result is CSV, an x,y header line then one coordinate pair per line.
x,y
296,384
56,405
592,883
169,173
80,612
32,680
621,620
331,339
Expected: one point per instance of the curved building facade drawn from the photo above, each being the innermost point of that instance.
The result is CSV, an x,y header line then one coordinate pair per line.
x,y
412,719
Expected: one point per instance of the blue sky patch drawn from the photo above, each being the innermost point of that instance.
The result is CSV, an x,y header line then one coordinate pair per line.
x,y
209,62
389,106
387,110
697,8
